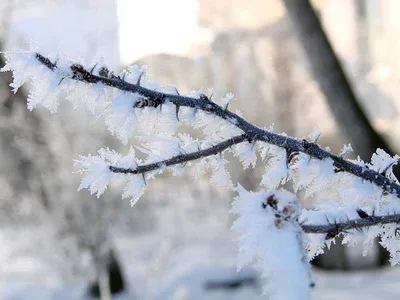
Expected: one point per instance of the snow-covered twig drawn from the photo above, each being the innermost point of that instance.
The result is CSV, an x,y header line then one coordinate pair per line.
x,y
334,228
155,98
182,158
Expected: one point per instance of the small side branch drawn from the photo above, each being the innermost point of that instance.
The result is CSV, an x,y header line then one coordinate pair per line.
x,y
182,158
334,229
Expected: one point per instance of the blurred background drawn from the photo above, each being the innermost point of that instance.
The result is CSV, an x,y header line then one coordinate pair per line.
x,y
176,243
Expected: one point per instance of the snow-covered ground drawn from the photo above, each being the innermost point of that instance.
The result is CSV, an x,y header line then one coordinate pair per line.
x,y
190,270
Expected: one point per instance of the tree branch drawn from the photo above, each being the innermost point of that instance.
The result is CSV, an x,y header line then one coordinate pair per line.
x,y
333,229
182,158
252,132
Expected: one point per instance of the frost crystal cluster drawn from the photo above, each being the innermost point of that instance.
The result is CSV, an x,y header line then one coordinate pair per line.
x,y
355,198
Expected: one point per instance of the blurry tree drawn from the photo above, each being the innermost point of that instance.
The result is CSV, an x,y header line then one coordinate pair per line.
x,y
39,192
75,225
339,94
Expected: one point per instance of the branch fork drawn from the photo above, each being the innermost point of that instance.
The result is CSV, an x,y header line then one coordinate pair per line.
x,y
251,134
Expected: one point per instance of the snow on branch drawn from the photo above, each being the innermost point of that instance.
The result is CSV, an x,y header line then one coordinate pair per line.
x,y
182,158
154,98
272,241
333,228
355,198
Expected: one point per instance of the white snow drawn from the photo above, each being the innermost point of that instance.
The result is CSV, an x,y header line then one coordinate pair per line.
x,y
155,273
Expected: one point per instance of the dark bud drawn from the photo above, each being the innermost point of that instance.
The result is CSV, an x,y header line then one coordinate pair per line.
x,y
330,235
306,144
362,214
272,201
204,97
77,68
103,72
81,74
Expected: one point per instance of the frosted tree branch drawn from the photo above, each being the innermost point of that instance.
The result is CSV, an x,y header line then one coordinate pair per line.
x,y
155,98
277,236
182,158
333,228
252,133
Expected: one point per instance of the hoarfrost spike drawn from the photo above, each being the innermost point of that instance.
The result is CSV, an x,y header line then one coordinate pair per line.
x,y
95,65
177,111
139,78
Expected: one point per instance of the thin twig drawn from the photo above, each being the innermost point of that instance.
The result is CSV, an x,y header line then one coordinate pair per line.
x,y
359,223
182,158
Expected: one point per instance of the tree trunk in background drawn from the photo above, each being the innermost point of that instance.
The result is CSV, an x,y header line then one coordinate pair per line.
x,y
332,80
284,93
363,48
115,279
329,74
